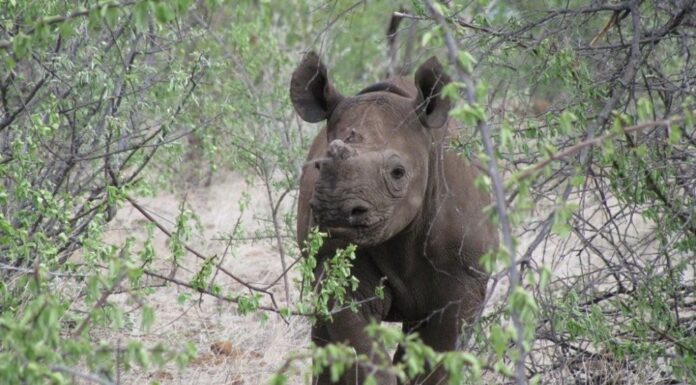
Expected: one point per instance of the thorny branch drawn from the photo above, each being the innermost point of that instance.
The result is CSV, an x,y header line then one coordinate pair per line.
x,y
609,242
483,128
570,150
198,254
57,19
93,378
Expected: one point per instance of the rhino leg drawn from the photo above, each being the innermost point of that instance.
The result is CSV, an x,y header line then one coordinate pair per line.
x,y
407,328
348,327
441,332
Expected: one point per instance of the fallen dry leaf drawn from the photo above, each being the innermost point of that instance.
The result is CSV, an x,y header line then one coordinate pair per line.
x,y
223,348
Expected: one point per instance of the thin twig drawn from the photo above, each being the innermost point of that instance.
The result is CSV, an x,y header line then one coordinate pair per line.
x,y
532,170
497,182
52,20
196,253
85,376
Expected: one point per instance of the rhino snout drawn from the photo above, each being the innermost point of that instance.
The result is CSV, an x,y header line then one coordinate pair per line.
x,y
346,214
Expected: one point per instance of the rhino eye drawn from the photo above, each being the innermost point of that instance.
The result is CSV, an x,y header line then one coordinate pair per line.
x,y
398,172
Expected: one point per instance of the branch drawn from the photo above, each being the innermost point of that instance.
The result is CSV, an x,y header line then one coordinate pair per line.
x,y
628,74
102,300
195,252
532,170
56,19
498,187
463,23
202,290
8,120
85,376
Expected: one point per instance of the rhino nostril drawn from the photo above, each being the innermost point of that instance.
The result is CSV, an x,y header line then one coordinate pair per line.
x,y
358,211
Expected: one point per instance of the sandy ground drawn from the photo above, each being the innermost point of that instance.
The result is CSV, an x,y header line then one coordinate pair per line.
x,y
232,349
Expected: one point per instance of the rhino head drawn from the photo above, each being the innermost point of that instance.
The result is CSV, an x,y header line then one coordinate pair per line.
x,y
373,176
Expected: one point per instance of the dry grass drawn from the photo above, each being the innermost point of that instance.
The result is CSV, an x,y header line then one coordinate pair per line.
x,y
232,349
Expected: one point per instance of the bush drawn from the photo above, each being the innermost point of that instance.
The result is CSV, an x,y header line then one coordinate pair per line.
x,y
583,116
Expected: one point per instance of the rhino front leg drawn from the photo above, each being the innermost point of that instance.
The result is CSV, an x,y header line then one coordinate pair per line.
x,y
443,329
439,331
349,328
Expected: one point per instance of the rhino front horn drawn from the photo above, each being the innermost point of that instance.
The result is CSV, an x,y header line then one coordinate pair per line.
x,y
339,150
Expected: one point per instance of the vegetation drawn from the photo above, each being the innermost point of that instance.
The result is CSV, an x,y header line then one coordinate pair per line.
x,y
582,113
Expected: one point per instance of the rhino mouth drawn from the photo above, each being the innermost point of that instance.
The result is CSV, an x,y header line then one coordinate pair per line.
x,y
344,232
349,231
346,226
358,234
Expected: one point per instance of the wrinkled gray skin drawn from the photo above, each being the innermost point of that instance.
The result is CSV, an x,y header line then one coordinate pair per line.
x,y
378,176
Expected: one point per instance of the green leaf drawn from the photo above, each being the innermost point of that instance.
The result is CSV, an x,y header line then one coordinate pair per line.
x,y
439,8
278,379
183,297
164,12
427,36
535,380
469,114
467,61
141,13
506,134
336,370
561,229
502,368
481,91
21,44
544,276
566,121
499,340
451,91
183,5
645,109
148,317
577,180
674,134
642,150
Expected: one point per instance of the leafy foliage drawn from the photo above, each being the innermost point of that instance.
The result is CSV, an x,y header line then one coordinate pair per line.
x,y
590,111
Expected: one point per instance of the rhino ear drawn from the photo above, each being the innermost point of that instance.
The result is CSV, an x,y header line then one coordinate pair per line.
x,y
311,92
431,107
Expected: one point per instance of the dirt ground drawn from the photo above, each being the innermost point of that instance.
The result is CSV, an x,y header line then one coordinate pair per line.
x,y
232,349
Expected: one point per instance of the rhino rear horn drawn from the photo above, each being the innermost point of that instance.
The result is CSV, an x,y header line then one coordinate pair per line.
x,y
311,91
431,107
